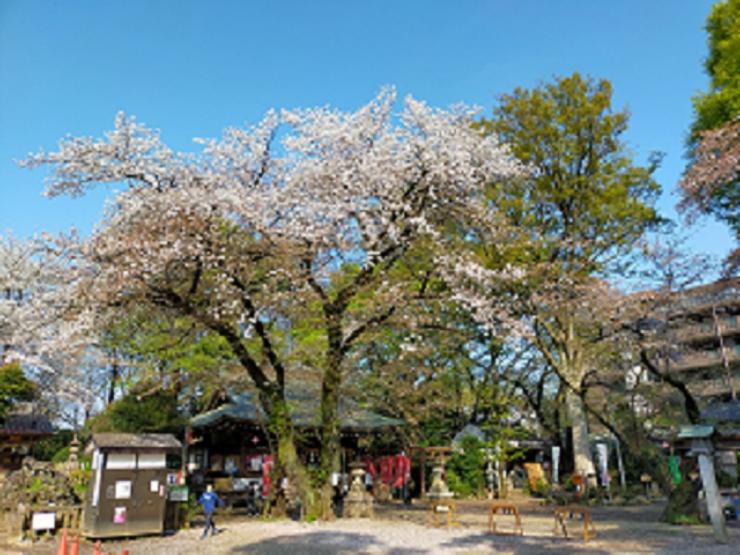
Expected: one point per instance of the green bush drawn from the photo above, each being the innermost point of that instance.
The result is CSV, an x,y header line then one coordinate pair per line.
x,y
80,479
649,460
466,469
541,489
48,449
725,480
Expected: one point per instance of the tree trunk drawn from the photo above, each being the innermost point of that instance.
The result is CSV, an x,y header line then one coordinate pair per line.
x,y
113,378
288,463
582,461
330,431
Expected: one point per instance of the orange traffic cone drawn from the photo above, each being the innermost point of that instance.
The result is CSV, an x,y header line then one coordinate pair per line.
x,y
62,550
96,549
75,549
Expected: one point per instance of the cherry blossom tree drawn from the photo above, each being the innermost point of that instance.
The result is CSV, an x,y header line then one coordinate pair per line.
x,y
710,184
35,325
256,225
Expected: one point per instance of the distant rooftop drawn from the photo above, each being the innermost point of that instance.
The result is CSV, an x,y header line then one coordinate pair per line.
x,y
135,441
26,424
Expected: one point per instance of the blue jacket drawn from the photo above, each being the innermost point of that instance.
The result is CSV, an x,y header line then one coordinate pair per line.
x,y
209,500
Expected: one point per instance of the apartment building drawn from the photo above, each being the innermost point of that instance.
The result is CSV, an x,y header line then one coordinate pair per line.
x,y
705,329
696,335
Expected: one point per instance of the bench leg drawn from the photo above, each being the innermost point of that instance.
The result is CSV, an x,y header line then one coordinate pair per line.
x,y
560,519
518,525
589,530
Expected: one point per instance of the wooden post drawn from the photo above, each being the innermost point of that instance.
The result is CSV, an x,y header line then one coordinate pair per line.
x,y
186,452
423,475
703,449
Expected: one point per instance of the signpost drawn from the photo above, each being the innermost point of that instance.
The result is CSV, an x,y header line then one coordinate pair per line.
x,y
43,521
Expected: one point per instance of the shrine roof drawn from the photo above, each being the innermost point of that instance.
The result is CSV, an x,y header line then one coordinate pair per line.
x,y
304,406
26,424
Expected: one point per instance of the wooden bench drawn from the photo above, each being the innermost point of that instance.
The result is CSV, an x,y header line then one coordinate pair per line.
x,y
563,513
504,509
446,507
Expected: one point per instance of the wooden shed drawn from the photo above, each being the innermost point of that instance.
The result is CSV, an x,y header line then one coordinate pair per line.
x,y
129,483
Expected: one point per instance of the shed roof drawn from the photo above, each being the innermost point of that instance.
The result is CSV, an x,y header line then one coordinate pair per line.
x,y
304,404
135,441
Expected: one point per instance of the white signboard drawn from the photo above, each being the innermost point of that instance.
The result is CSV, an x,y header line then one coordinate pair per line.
x,y
603,458
123,489
43,521
555,464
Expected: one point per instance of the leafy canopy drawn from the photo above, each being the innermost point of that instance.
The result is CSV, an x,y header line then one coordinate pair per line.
x,y
721,103
15,387
586,198
140,411
710,184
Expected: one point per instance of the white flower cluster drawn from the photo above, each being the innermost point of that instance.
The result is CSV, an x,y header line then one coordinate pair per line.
x,y
315,187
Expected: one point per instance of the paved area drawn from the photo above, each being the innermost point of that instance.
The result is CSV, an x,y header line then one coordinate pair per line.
x,y
398,530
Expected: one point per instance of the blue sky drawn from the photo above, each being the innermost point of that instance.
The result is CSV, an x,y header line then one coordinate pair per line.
x,y
192,68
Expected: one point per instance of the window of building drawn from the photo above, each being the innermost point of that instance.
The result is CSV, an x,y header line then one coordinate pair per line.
x,y
121,461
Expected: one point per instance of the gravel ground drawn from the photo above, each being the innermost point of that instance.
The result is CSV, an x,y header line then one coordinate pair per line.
x,y
403,531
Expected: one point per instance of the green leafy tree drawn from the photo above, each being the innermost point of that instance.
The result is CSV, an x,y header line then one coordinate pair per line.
x,y
721,103
466,468
586,200
710,185
574,218
15,387
141,412
173,352
54,448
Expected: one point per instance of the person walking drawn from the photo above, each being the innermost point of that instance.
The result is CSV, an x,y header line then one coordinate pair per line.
x,y
209,499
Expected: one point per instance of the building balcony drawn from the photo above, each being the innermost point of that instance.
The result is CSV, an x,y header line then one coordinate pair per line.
x,y
703,299
707,389
705,359
729,326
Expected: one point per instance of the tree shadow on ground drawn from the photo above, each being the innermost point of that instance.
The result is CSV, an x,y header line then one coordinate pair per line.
x,y
521,544
323,543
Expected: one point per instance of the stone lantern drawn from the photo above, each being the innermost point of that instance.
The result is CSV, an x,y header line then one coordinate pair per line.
x,y
74,450
439,489
359,502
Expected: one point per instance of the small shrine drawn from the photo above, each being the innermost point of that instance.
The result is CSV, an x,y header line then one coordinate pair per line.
x,y
20,431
